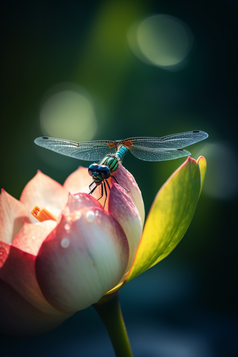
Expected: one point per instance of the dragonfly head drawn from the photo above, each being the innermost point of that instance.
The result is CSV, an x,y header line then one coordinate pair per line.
x,y
104,171
93,171
99,172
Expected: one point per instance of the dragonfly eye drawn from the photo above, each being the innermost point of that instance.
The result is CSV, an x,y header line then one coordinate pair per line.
x,y
92,168
104,171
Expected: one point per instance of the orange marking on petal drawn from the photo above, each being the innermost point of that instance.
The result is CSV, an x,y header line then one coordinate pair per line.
x,y
42,214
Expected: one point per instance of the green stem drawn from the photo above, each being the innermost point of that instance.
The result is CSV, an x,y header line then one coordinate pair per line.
x,y
108,308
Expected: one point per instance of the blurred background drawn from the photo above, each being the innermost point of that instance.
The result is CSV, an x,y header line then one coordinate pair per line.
x,y
115,69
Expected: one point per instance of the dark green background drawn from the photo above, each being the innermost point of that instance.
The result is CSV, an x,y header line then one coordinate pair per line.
x,y
187,304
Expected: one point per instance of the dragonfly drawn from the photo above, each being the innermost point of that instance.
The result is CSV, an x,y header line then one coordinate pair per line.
x,y
110,153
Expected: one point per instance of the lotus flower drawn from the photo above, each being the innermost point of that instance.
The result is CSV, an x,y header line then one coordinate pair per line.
x,y
80,251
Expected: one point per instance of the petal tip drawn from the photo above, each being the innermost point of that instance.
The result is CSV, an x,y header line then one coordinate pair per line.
x,y
190,159
201,158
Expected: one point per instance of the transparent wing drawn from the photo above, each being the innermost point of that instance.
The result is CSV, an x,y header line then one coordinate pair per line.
x,y
174,141
86,150
164,148
151,154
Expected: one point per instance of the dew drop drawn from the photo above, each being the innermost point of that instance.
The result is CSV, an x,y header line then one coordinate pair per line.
x,y
67,226
77,197
65,243
98,216
90,216
2,253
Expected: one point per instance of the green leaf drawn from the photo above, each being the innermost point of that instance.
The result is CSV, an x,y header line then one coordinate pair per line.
x,y
203,168
170,215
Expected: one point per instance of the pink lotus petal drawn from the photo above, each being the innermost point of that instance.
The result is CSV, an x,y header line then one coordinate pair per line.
x,y
80,180
126,180
122,207
12,217
97,194
20,318
80,200
18,271
4,252
77,180
42,191
31,236
84,257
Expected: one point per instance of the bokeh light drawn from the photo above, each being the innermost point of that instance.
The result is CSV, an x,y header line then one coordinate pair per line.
x,y
222,172
137,89
161,40
69,114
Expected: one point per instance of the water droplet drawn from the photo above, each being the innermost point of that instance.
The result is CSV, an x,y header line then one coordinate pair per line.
x,y
2,250
65,243
98,216
90,216
2,254
67,226
77,197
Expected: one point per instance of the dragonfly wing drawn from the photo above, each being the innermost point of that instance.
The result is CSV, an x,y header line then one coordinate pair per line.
x,y
87,150
151,154
174,141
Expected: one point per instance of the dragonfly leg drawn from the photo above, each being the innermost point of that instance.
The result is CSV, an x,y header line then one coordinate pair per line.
x,y
108,185
105,189
93,189
101,192
91,184
119,184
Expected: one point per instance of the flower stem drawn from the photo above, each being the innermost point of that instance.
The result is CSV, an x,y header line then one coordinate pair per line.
x,y
108,308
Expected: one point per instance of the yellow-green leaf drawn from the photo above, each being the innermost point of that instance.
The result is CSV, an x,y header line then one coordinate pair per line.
x,y
170,215
203,168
